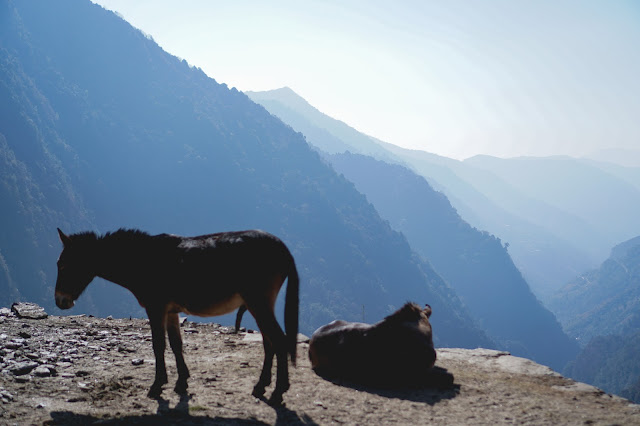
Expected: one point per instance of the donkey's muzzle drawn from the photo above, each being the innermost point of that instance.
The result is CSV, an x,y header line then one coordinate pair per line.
x,y
64,301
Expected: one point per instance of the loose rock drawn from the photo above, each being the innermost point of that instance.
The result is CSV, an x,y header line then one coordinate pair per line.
x,y
22,368
29,311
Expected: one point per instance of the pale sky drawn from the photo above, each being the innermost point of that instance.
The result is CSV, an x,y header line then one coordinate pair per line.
x,y
456,78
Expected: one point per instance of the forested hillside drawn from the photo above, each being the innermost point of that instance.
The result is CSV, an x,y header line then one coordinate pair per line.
x,y
604,301
101,129
610,363
601,309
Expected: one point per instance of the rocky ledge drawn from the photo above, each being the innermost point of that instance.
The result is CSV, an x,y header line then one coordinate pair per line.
x,y
83,370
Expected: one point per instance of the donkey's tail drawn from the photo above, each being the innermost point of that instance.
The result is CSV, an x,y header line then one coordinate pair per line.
x,y
292,301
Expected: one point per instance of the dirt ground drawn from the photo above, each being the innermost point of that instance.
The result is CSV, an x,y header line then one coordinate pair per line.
x,y
82,370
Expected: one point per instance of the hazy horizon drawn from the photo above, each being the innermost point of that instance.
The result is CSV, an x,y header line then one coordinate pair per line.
x,y
457,79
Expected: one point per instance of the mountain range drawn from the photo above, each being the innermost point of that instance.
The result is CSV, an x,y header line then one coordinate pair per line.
x,y
475,263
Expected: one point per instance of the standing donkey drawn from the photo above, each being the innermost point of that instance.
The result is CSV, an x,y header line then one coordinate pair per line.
x,y
207,275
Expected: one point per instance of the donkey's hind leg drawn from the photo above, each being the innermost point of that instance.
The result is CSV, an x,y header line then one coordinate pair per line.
x,y
241,310
265,375
157,320
175,340
274,342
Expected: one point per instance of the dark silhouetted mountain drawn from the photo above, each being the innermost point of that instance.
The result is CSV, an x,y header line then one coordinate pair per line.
x,y
546,260
605,301
475,263
610,363
102,129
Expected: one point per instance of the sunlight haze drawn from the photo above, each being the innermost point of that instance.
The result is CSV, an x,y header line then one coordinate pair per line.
x,y
454,78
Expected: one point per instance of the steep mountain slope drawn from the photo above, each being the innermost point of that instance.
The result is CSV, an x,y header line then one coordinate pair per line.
x,y
601,309
605,301
110,131
475,263
546,261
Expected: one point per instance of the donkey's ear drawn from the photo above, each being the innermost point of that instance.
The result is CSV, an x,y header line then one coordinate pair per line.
x,y
65,240
427,310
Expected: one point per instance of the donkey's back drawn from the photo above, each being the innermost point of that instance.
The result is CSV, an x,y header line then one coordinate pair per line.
x,y
214,274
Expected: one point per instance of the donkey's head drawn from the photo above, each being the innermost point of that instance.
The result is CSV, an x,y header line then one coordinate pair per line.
x,y
76,267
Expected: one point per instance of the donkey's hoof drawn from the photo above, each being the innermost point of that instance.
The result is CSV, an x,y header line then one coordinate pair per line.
x,y
275,400
155,391
258,392
181,387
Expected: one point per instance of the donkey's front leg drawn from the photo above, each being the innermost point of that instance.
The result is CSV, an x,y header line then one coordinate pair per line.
x,y
173,330
157,319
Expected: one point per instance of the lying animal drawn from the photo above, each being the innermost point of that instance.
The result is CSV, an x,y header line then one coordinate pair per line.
x,y
395,351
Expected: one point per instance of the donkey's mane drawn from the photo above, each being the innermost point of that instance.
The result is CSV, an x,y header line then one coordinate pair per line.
x,y
84,237
123,234
409,312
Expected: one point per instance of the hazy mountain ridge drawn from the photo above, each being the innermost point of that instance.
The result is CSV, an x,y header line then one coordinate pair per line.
x,y
546,259
156,144
606,204
330,135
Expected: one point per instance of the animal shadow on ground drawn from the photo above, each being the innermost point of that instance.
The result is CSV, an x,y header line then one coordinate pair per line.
x,y
437,387
165,419
179,415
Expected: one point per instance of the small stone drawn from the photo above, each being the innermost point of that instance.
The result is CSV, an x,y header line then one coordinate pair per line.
x,y
43,371
5,312
137,361
29,311
23,368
